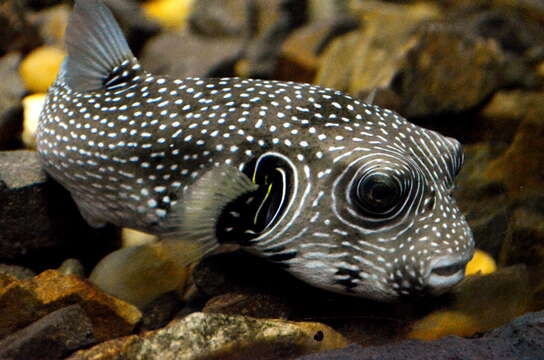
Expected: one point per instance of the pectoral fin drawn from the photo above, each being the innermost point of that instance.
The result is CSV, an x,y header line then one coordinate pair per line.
x,y
194,220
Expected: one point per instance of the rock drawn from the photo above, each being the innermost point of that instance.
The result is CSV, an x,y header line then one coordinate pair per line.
x,y
140,274
369,59
109,350
11,93
215,336
33,105
52,23
18,272
40,221
183,54
221,18
17,34
23,302
52,337
300,52
169,13
40,68
72,267
448,71
275,21
521,339
481,263
132,237
159,312
253,305
521,166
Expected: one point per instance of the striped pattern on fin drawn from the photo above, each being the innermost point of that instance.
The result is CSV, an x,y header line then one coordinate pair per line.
x,y
194,219
95,45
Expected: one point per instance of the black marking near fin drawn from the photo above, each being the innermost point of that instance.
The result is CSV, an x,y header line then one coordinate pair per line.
x,y
195,218
251,215
95,45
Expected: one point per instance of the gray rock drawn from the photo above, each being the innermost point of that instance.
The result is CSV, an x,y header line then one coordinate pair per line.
x,y
522,339
40,222
18,272
52,337
221,18
11,92
159,312
185,54
72,267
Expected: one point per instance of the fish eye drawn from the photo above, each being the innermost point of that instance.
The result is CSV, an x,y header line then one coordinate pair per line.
x,y
377,194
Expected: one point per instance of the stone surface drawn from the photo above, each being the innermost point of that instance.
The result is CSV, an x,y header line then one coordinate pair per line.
x,y
17,272
72,267
33,105
52,337
17,33
183,54
522,339
254,305
40,68
299,58
159,312
215,336
40,223
23,302
369,59
11,93
221,18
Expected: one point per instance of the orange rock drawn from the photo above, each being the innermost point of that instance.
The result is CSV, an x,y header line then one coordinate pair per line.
x,y
23,302
442,323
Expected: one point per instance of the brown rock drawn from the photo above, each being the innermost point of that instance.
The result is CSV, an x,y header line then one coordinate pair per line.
x,y
23,302
369,59
448,71
52,337
254,305
521,167
115,349
299,58
11,93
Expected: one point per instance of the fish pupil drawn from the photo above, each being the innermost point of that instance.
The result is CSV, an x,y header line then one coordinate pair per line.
x,y
377,194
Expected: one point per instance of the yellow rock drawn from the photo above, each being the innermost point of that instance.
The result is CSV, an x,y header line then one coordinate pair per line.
x,y
443,323
481,263
32,105
39,69
136,238
169,13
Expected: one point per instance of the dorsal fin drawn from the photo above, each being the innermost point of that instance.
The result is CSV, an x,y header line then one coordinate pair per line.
x,y
95,45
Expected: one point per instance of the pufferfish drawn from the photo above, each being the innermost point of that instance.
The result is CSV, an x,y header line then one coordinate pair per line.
x,y
343,194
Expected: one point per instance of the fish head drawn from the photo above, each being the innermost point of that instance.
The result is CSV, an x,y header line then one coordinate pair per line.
x,y
384,224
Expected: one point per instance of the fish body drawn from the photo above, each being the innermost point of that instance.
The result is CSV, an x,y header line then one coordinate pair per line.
x,y
345,195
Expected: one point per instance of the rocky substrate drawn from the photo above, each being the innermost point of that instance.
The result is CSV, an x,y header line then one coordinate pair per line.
x,y
471,69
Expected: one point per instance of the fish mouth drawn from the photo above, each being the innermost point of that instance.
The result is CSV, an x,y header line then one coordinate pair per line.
x,y
444,272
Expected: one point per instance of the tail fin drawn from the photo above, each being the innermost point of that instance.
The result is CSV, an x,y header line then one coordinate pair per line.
x,y
95,45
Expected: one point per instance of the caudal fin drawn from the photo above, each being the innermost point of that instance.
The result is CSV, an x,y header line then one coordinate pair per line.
x,y
95,45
